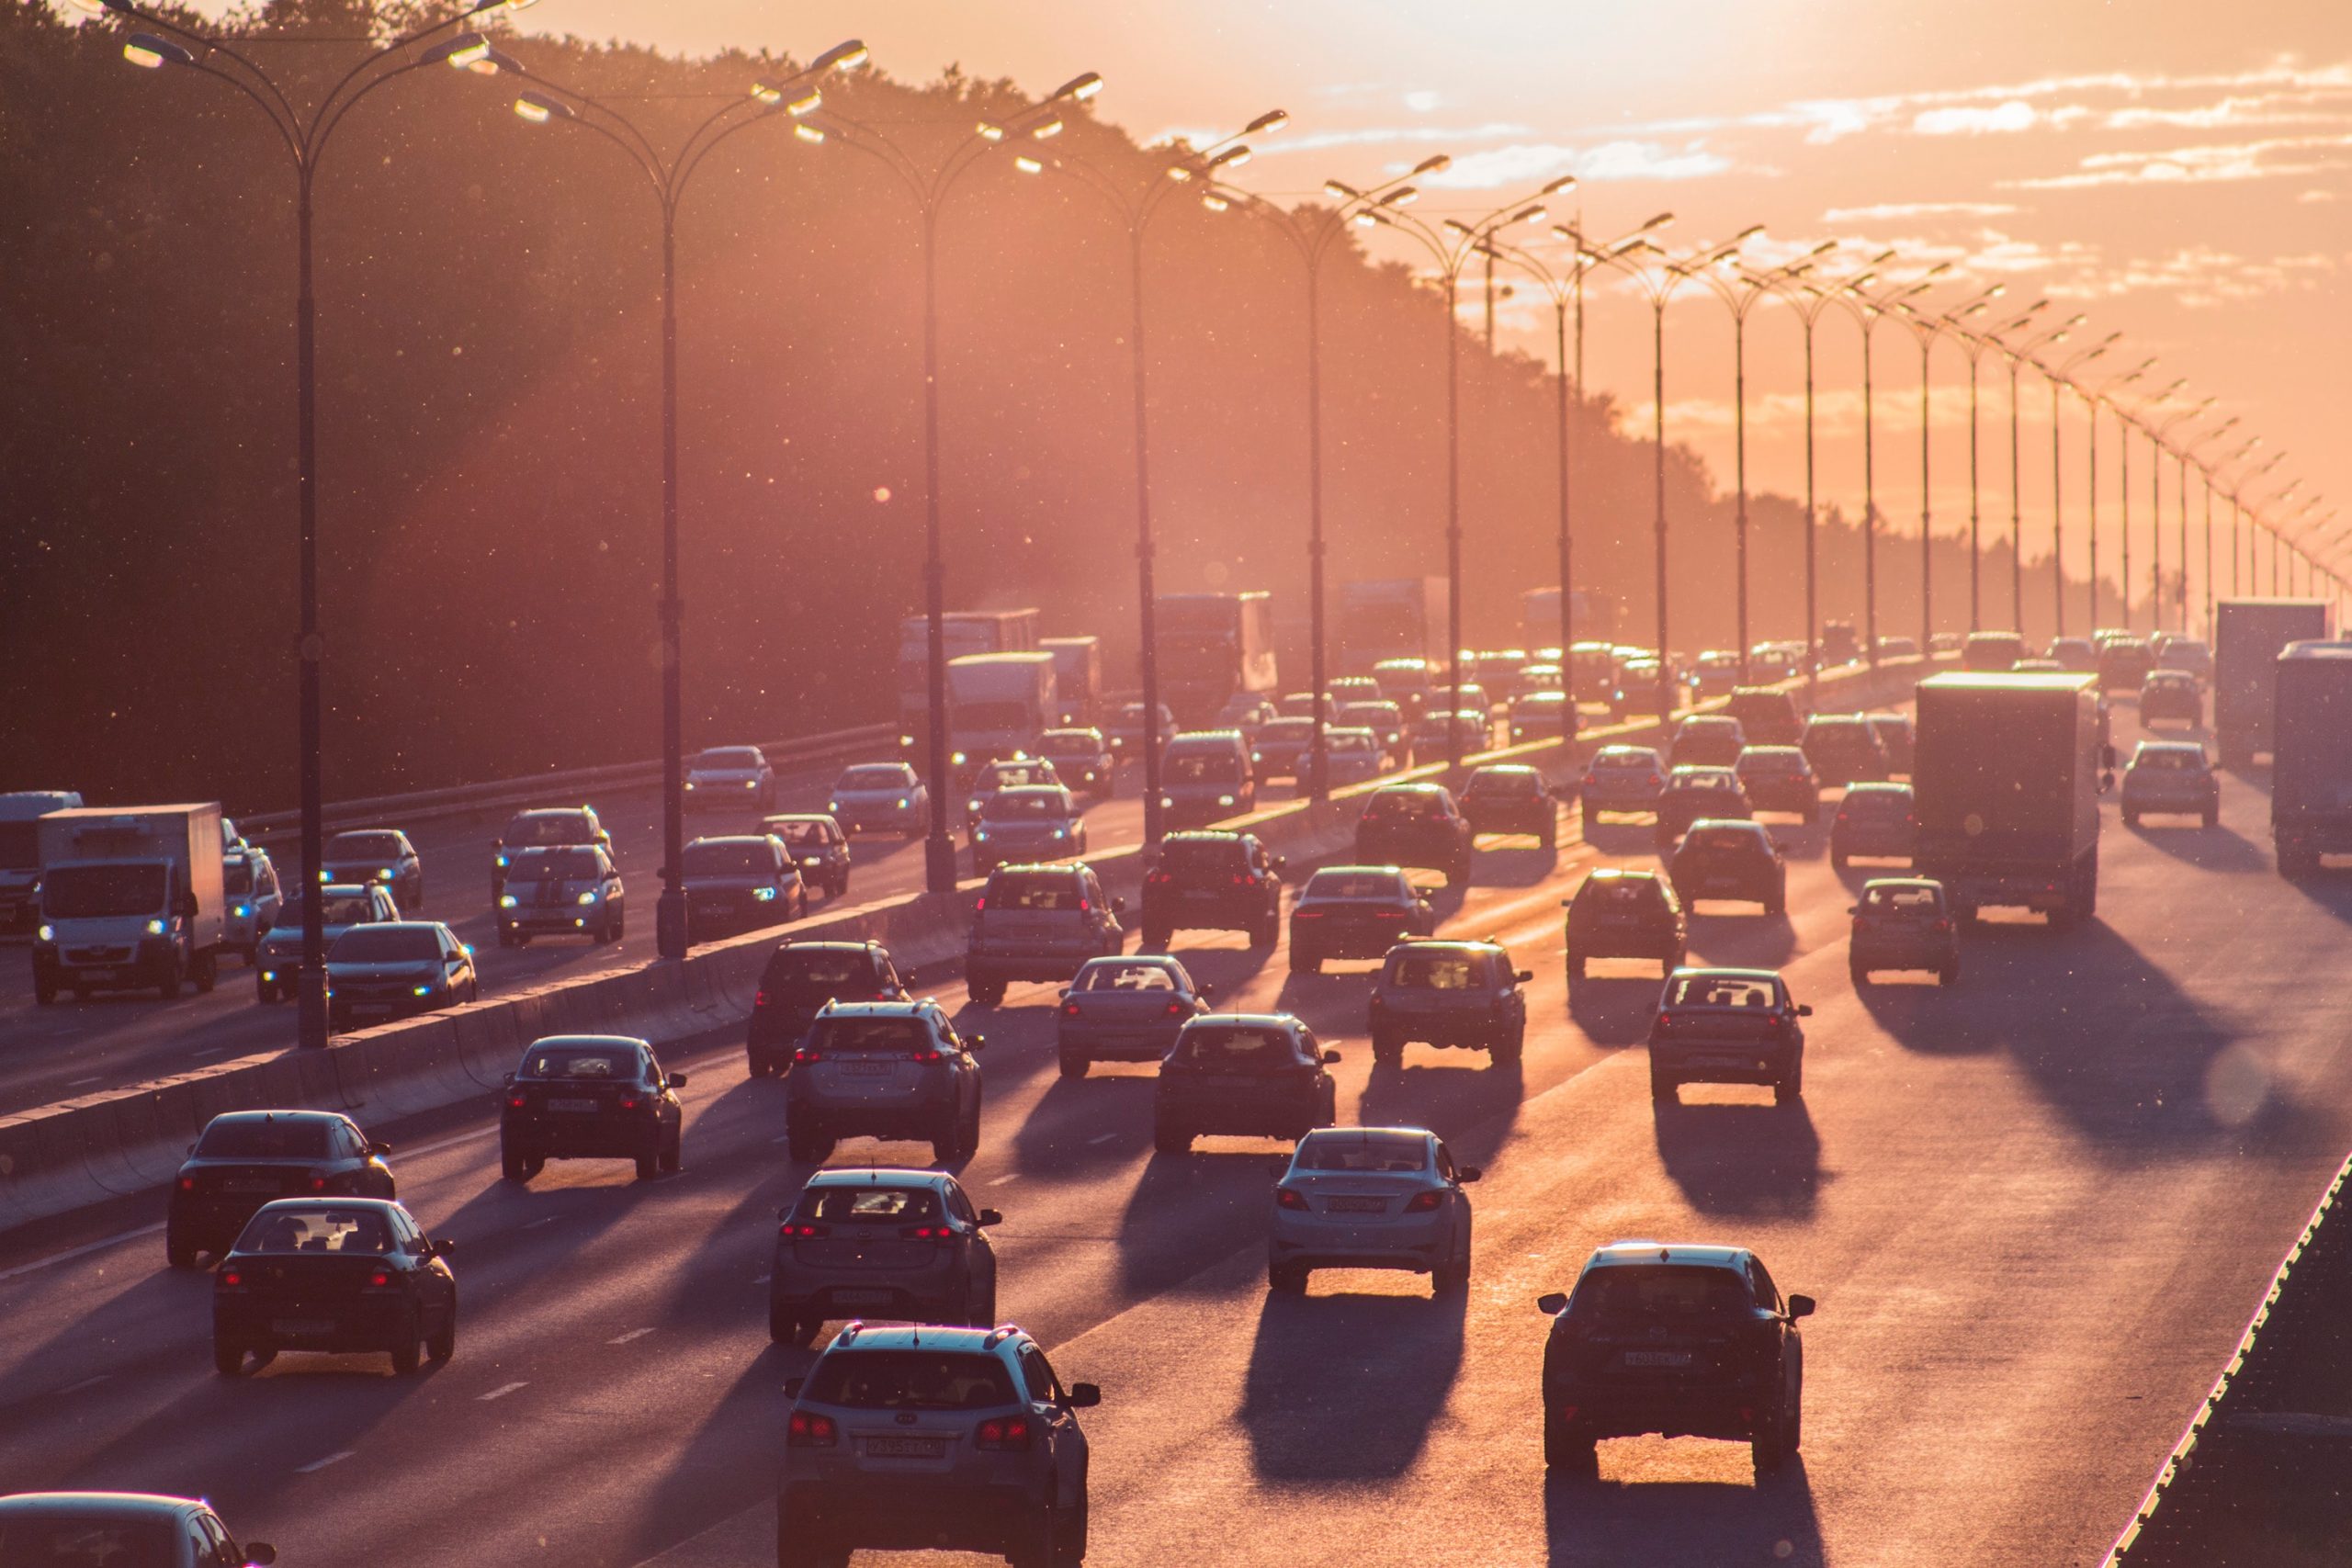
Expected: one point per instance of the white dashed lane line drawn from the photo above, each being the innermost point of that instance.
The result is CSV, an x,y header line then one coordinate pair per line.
x,y
501,1391
624,1338
319,1464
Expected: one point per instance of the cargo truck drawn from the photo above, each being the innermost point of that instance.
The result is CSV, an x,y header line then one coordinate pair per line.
x,y
966,632
1400,617
1078,680
20,850
130,897
1213,647
2006,772
2310,762
998,703
2248,636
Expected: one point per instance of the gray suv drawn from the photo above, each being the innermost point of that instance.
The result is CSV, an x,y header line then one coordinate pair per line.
x,y
916,1438
891,1243
884,1070
1038,922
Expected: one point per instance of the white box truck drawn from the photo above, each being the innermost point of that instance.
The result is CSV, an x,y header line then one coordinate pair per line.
x,y
1078,680
130,897
998,703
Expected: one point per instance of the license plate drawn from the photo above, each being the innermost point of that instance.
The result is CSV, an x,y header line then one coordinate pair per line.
x,y
300,1327
1726,1061
250,1185
1232,1080
906,1448
571,1105
1201,894
1357,1206
868,1069
105,976
1657,1358
860,1298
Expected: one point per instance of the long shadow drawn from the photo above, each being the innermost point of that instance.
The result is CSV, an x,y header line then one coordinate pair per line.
x,y
728,1464
1614,1011
2330,889
1922,1016
1748,940
1344,1387
1188,1207
1615,1524
1621,840
1515,862
1111,1103
1230,970
1750,1160
2207,849
1462,1096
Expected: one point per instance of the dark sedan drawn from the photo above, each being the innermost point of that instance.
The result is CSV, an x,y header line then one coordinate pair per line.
x,y
1355,911
1508,797
1730,860
740,883
1415,824
1693,793
1254,1075
339,1275
1778,778
817,845
590,1096
382,972
247,1159
1844,749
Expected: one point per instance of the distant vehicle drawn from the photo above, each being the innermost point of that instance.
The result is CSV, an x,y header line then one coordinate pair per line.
x,y
1205,777
1510,798
1279,750
1774,661
963,633
1123,1009
1381,619
998,703
1371,1197
881,1242
1303,704
379,973
1345,689
1213,649
1027,823
1625,914
728,778
1125,731
2037,667
292,1282
1248,713
1351,756
817,845
1838,643
1016,773
573,891
1766,717
1728,1026
2010,769
1844,749
1594,668
20,853
123,1529
1623,780
2075,655
880,797
1693,793
1037,922
591,1097
1707,740
800,977
884,1070
1081,758
1078,678
2249,635
1213,881
1904,923
2123,663
544,828
1354,912
1877,821
1778,778
344,905
740,882
1992,653
1451,994
1730,860
2172,695
1408,683
1250,1075
968,1433
1894,733
2186,654
1464,730
1944,644
249,882
130,897
1538,715
1897,648
1715,673
247,1159
1719,1356
1416,825
1589,615
2311,770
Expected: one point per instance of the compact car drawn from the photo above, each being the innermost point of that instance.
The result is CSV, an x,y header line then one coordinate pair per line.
x,y
799,978
880,797
1253,1075
1416,825
726,778
1904,922
1874,821
1371,1197
1625,914
1037,922
880,1242
243,1159
2170,778
1355,911
573,891
378,973
1728,1026
341,906
1448,994
884,1070
591,1097
1730,860
376,854
1123,1009
337,1275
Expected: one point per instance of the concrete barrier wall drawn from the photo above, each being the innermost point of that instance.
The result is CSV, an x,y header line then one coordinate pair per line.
x,y
85,1151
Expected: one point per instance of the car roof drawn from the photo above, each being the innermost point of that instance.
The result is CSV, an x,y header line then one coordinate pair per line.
x,y
799,816
1700,770
881,1175
1696,972
1247,1020
1416,788
722,839
1730,824
555,811
1129,960
1355,870
128,1505
1072,732
1633,1254
236,1117
1038,868
861,1336
1204,835
2196,746
1753,750
1620,753
589,1042
359,889
1902,882
329,1200
409,926
801,944
919,1006
1513,768
1620,874
1441,943
1711,719
1365,1135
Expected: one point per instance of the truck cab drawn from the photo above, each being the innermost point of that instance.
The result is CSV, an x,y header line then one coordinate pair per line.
x,y
130,897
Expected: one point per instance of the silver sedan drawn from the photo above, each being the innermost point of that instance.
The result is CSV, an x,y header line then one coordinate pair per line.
x,y
1371,1197
1124,1010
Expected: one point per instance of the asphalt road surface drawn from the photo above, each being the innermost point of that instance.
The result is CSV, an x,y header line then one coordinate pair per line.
x,y
2036,1211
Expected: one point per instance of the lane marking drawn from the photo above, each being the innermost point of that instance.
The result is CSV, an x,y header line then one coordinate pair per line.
x,y
86,1383
624,1338
71,1253
317,1465
499,1393
1008,1176
537,1223
1105,1138
762,1278
76,1083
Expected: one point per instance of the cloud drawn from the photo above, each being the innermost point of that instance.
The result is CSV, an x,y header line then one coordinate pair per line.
x,y
1888,211
2267,158
2310,196
1423,101
1523,164
1972,120
1374,135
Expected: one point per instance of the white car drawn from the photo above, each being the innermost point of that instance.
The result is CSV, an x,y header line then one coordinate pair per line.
x,y
1350,756
730,775
132,1530
1371,1197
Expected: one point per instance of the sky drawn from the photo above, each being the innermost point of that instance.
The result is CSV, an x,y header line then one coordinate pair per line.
x,y
2178,172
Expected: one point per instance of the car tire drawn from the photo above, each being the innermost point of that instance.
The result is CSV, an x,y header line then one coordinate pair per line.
x,y
1809,815
338,1021
648,1167
2213,816
1576,970
1286,1279
1859,973
228,1358
168,988
673,1159
1790,1091
1166,1139
506,937
179,1251
1664,1090
1950,973
980,1311
984,993
1507,1052
1768,1446
512,1164
206,974
1450,1280
1075,1063
1836,859
404,1350
786,1326
440,1346
1568,1449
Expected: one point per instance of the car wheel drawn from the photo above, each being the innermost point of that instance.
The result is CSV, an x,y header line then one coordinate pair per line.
x,y
168,986
179,1251
228,1357
602,935
673,1159
786,1326
1075,1063
1791,1090
1507,1052
444,1345
1859,973
1568,1449
979,1310
1778,904
1286,1279
2213,816
1950,973
1170,1139
1387,1050
1452,1280
1836,859
1576,970
648,1167
512,1165
1036,1546
405,1349
1663,1087
1767,1446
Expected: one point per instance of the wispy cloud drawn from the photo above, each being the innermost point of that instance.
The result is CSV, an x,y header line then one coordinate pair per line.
x,y
1533,162
1423,101
2267,158
1976,119
1895,211
1376,135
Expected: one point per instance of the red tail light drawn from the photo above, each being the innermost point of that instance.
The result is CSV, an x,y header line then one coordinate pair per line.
x,y
1943,925
802,1230
628,1102
807,1054
515,1100
1424,1202
807,1430
1159,878
1070,1010
188,1183
1085,905
928,1056
1654,779
1592,778
231,1276
759,999
318,1183
1241,879
378,1280
1285,1198
1176,1009
925,1232
1005,1433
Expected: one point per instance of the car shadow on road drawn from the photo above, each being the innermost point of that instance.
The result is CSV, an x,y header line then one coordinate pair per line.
x,y
1514,862
1614,1011
1923,1016
1747,939
1612,1524
2330,888
1471,1102
1082,1124
1622,840
1756,1159
1343,1387
727,1465
1205,1204
2207,849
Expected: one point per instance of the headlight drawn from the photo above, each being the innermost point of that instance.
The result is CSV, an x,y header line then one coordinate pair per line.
x,y
904,802
1061,833
765,894
906,739
974,804
690,783
1224,800
586,898
154,928
750,783
503,862
980,835
506,900
49,933
957,758
1257,756
835,805
1168,802
244,911
270,975
420,990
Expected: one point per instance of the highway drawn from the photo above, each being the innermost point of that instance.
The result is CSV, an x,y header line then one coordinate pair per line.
x,y
2036,1211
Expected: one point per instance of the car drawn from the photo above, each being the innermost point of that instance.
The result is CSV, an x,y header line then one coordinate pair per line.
x,y
1622,780
2190,655
1006,774
2124,661
591,1097
337,1275
1844,749
1205,777
1778,778
1465,731
1992,653
1280,749
1683,1341
1251,1075
1037,922
1387,722
1418,825
121,1529
1346,690
1123,1009
725,777
1625,914
1692,793
249,882
1351,756
1730,860
1213,881
1766,717
1451,994
1838,643
1728,1026
2037,667
376,855
2170,777
884,1070
1894,733
1471,699
880,797
796,982
573,891
1125,732
1355,911
1081,758
1027,823
817,845
2172,695
543,827
342,904
396,968
1538,715
1898,648
1510,798
1371,1197
1874,821
1408,683
2075,655
1945,643
246,1158
1248,712
740,882
1715,673
1904,922
1771,661
880,1242
925,1437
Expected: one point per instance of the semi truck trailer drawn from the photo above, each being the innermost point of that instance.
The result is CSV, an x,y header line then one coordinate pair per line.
x,y
2311,757
2248,636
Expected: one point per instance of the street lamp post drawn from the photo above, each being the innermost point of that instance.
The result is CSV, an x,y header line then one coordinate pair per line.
x,y
1866,309
305,138
1925,328
2138,420
2186,453
2093,400
1975,345
2019,355
2057,489
2158,445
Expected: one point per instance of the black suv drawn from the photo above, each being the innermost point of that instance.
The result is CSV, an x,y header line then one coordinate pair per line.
x,y
1683,1341
800,978
1461,994
1844,749
590,1096
1510,798
1210,881
1415,824
1730,860
1250,1073
1706,741
1625,914
247,1159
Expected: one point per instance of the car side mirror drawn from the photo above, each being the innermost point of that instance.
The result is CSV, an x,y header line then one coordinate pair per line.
x,y
1207,992
1805,1009
907,977
2107,757
1063,994
1330,1058
507,1082
1552,1304
260,1554
1801,1306
1083,1396
976,1044
442,1247
677,1081
1522,976
1468,1174
380,1149
792,1387
990,1217
1853,908
1118,906
1280,861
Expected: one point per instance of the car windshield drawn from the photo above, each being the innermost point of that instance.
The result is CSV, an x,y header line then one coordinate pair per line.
x,y
1637,762
1069,743
340,909
876,778
1203,766
1237,1046
1352,885
802,835
1284,730
1024,805
730,857
1659,1290
908,1380
867,1206
1753,761
1035,892
1128,977
1203,855
92,892
236,877
1722,991
536,866
1441,970
1351,740
1506,782
893,1036
1408,803
1620,890
1732,839
729,756
550,828
382,943
364,846
1363,1151
65,1537
606,1061
1007,776
1376,714
1876,802
318,1230
2167,759
1902,900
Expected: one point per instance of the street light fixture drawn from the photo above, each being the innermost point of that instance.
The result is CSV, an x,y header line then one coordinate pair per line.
x,y
2020,354
1924,330
2057,493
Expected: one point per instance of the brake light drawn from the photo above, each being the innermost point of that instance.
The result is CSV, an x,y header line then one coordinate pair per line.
x,y
188,1183
1654,779
628,1102
807,1430
514,1100
1176,1009
231,1276
807,1054
378,1280
928,1056
1085,905
1241,879
1285,1198
1070,1010
318,1182
926,1232
1159,878
979,903
1592,778
759,999
802,1230
1005,1433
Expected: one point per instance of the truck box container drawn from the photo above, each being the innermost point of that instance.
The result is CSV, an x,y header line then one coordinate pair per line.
x,y
963,632
1399,617
2007,771
2248,635
20,850
1213,647
2310,763
1078,678
998,703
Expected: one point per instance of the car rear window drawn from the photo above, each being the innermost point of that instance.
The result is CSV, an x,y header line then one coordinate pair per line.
x,y
1205,766
1363,1151
908,1380
385,944
341,910
1506,784
802,835
1201,855
876,778
1236,1046
799,967
867,1205
1722,991
1779,761
1439,971
1124,977
883,1036
581,1062
1876,802
1286,730
1622,892
555,828
1406,803
730,857
317,1230
1352,884
1637,762
1659,1290
2168,759
1731,839
1035,891
1902,900
65,1538
292,1139
1713,778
